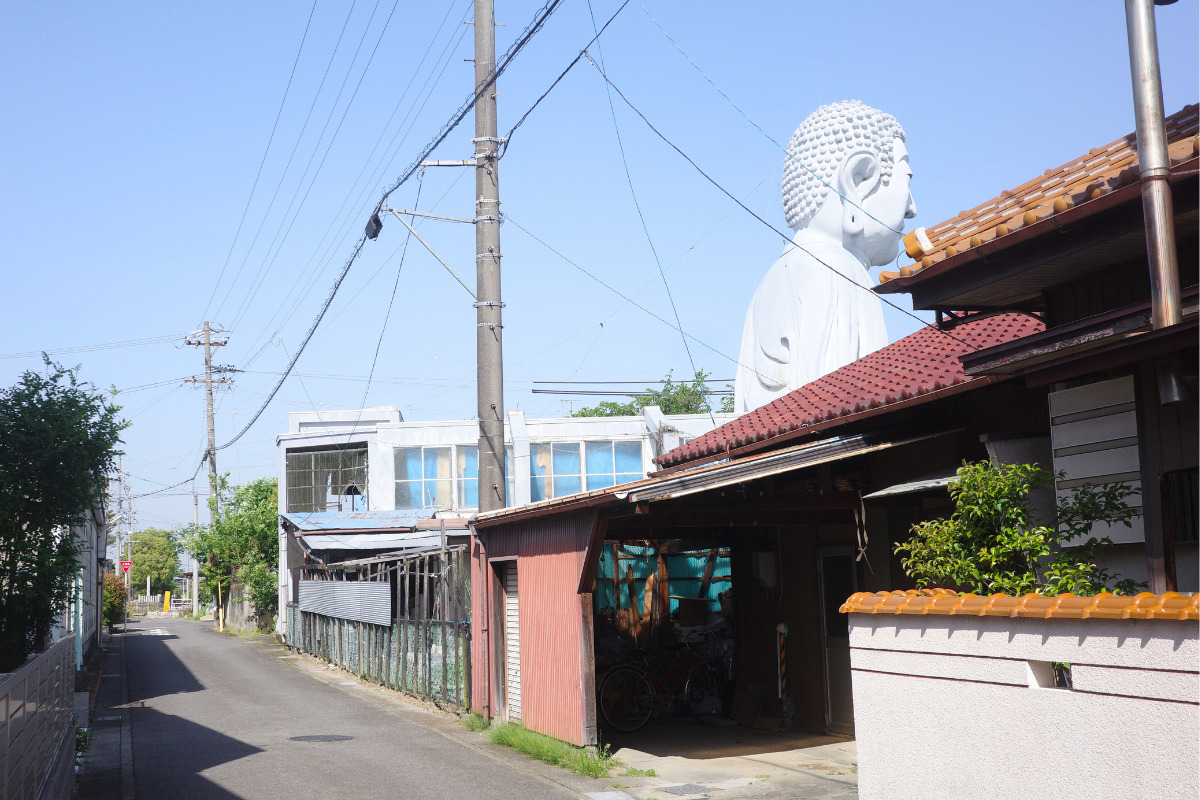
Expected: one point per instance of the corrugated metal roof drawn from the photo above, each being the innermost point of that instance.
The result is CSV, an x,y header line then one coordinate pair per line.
x,y
371,541
353,520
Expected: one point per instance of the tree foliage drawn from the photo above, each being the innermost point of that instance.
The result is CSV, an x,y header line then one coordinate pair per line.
x,y
58,440
671,398
155,553
242,543
993,543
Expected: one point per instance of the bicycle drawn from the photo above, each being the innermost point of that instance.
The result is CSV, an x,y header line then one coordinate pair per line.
x,y
631,693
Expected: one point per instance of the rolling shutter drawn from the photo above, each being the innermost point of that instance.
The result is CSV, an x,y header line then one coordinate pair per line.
x,y
512,643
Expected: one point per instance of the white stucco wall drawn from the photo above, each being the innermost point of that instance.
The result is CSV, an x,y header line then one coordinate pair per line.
x,y
951,706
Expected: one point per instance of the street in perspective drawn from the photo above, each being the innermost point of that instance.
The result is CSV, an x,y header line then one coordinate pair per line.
x,y
814,415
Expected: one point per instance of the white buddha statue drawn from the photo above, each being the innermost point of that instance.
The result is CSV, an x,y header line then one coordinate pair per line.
x,y
846,196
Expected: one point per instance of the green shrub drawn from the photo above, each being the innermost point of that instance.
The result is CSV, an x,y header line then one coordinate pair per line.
x,y
114,598
993,542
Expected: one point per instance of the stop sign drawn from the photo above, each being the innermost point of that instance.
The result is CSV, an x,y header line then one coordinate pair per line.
x,y
125,565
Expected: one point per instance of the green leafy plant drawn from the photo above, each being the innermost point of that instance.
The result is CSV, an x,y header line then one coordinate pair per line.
x,y
580,760
634,772
115,596
993,543
58,441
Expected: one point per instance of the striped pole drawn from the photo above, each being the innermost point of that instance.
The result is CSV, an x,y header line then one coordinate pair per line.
x,y
781,658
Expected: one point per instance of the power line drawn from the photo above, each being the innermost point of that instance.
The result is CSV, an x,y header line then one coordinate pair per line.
x,y
283,175
617,292
645,228
324,156
759,128
783,235
261,163
288,310
501,66
90,348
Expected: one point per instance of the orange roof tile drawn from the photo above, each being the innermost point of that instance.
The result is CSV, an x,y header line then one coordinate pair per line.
x,y
1099,172
943,602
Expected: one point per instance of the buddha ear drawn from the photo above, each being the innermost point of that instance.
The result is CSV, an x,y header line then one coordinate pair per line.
x,y
858,177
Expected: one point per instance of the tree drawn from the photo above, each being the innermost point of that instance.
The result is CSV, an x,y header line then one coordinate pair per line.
x,y
671,397
58,440
992,543
242,543
155,553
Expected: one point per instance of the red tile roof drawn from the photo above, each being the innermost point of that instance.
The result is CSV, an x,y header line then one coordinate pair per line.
x,y
914,370
1101,171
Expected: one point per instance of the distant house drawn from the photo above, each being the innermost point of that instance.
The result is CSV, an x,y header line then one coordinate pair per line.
x,y
1069,247
377,475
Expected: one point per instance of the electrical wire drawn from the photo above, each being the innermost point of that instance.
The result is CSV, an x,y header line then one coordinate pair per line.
x,y
263,162
759,128
642,217
387,316
324,156
91,348
291,156
783,235
501,65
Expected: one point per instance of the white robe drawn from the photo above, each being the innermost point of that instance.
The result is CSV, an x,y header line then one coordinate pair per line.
x,y
805,321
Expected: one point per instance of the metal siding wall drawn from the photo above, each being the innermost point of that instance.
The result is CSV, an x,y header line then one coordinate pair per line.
x,y
364,601
550,559
480,646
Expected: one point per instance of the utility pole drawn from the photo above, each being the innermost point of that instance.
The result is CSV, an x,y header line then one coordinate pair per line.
x,y
203,338
489,330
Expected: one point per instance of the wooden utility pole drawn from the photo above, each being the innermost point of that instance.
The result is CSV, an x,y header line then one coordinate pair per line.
x,y
489,329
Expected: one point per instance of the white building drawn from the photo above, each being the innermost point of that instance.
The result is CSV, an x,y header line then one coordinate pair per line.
x,y
331,461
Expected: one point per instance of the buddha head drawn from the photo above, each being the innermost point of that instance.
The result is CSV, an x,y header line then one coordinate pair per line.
x,y
847,178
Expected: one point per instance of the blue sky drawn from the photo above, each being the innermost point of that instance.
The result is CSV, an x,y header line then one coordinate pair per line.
x,y
131,136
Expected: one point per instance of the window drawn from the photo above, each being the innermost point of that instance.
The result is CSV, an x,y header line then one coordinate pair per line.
x,y
610,463
425,478
327,480
562,468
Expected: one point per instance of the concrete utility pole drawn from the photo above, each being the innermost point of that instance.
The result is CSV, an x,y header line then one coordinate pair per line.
x,y
489,329
208,343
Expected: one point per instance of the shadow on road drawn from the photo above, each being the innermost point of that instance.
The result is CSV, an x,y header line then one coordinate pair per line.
x,y
166,675
170,752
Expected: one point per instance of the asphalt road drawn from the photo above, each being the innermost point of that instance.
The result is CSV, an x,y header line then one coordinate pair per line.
x,y
214,717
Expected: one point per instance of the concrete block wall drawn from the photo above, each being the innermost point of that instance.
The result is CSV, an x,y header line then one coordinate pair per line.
x,y
965,706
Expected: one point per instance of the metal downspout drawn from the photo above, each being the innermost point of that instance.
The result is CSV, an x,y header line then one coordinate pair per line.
x,y
1154,164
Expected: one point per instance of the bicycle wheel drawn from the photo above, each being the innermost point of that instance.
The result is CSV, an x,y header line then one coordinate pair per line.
x,y
702,689
625,699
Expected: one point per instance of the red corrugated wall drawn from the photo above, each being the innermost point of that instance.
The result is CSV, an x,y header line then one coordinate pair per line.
x,y
555,640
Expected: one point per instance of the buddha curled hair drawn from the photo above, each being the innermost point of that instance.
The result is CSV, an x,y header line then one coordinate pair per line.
x,y
821,143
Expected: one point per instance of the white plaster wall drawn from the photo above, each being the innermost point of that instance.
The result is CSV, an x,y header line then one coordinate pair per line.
x,y
949,707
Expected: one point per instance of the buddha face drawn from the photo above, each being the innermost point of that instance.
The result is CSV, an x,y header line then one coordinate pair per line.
x,y
887,207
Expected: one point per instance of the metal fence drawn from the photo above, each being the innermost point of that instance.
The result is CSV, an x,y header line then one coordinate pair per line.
x,y
37,702
426,649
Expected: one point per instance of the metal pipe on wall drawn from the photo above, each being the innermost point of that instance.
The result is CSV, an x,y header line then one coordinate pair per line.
x,y
1154,164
